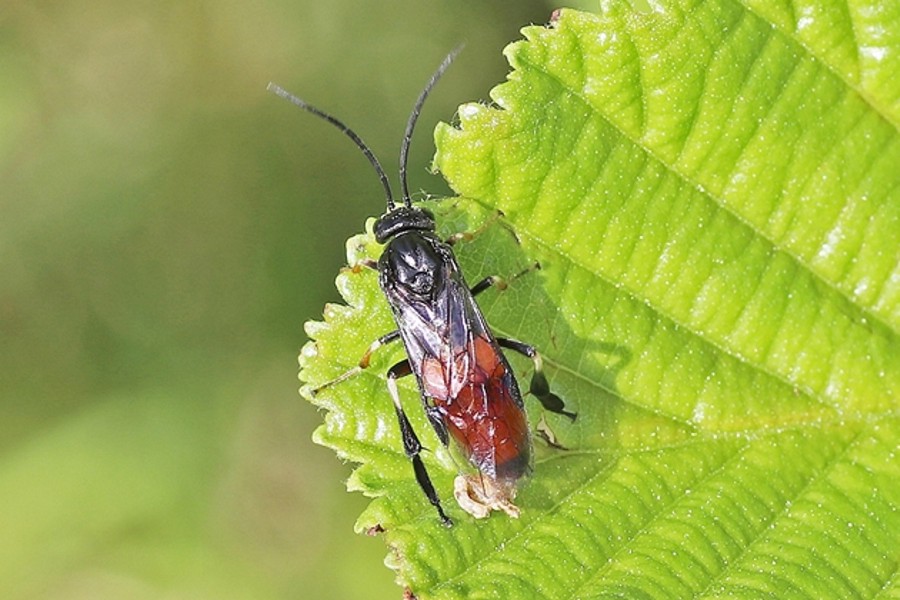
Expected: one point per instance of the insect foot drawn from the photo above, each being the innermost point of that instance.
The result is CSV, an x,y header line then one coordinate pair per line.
x,y
480,494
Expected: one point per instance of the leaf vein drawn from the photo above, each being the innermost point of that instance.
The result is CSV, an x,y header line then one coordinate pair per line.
x,y
663,511
717,200
815,478
855,86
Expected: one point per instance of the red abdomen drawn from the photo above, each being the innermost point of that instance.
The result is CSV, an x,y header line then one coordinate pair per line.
x,y
481,406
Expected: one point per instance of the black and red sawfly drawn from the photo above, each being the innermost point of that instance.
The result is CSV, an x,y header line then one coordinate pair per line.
x,y
468,389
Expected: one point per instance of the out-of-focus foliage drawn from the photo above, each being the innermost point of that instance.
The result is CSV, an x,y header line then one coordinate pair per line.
x,y
166,228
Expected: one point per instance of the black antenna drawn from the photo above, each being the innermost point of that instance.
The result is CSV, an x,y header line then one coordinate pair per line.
x,y
347,131
414,116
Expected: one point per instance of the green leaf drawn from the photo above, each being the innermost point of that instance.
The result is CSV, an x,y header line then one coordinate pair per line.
x,y
713,194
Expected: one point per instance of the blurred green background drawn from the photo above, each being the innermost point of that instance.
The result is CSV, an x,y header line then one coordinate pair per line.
x,y
167,227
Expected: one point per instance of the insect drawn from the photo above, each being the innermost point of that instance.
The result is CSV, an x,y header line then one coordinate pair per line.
x,y
468,389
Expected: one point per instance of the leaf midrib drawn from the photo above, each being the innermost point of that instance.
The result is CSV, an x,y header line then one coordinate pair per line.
x,y
690,330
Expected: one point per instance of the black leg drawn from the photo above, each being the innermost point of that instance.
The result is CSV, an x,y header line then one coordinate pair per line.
x,y
411,444
387,338
539,386
499,282
467,236
436,418
364,361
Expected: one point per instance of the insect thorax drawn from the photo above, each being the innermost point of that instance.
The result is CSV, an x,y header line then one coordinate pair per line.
x,y
415,264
